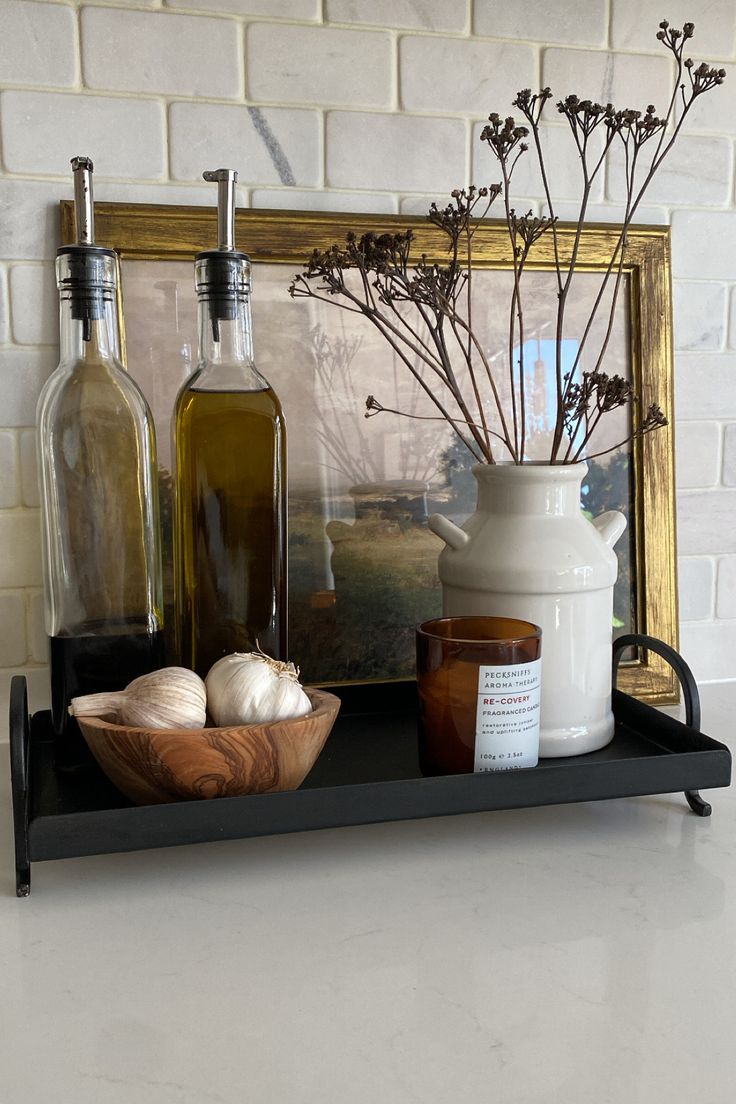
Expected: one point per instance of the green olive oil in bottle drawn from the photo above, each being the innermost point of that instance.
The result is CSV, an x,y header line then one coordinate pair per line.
x,y
230,456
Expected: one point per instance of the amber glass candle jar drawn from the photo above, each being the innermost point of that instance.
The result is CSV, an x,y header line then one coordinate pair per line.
x,y
479,694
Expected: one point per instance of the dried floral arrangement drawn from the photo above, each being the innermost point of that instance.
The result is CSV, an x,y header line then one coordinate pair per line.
x,y
424,309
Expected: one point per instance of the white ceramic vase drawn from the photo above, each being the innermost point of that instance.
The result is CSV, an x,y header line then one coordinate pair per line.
x,y
529,552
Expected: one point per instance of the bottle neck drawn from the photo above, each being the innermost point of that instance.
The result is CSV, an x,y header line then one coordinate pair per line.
x,y
89,339
226,344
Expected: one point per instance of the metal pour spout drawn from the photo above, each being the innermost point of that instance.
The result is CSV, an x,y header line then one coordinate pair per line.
x,y
84,212
226,180
85,273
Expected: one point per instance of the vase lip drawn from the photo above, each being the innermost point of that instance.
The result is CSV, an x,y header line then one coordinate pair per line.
x,y
539,471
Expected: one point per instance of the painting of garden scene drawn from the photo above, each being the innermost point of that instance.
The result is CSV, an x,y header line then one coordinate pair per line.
x,y
362,561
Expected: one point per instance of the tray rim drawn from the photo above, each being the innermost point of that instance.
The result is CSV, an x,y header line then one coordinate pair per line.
x,y
703,763
685,760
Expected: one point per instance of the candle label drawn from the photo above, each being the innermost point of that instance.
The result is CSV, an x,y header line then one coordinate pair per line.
x,y
507,720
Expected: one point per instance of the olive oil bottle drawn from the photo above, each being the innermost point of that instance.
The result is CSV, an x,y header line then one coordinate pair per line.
x,y
97,473
230,456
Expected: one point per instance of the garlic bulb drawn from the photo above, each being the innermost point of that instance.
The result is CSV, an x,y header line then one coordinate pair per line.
x,y
170,698
252,688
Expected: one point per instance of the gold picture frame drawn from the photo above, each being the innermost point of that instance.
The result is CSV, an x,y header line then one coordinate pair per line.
x,y
145,232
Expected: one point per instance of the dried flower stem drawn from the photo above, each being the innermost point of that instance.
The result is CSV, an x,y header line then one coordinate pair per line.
x,y
425,310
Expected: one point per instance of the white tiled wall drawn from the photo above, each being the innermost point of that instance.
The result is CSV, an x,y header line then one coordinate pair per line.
x,y
365,105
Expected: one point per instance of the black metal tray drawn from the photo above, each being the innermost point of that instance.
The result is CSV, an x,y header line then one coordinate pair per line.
x,y
368,772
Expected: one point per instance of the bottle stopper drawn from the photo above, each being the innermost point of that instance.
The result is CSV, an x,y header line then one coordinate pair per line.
x,y
222,275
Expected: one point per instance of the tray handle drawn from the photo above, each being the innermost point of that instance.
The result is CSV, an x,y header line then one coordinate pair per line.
x,y
684,675
20,731
689,692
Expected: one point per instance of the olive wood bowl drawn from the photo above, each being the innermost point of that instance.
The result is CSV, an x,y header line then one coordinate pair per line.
x,y
155,765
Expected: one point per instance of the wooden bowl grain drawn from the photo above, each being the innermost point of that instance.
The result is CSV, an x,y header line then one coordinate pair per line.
x,y
156,765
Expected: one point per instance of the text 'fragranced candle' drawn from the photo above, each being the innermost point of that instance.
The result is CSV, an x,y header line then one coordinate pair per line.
x,y
479,682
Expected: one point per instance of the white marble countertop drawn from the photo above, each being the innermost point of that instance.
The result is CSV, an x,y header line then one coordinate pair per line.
x,y
583,954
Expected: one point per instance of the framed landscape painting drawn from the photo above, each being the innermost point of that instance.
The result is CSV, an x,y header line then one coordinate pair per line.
x,y
362,570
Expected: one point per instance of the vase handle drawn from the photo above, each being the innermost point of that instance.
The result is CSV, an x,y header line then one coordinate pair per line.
x,y
447,531
610,526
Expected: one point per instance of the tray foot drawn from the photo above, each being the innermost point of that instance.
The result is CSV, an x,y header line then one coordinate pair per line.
x,y
23,882
697,804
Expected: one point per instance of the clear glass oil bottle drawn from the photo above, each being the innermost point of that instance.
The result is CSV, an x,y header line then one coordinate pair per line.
x,y
230,460
97,467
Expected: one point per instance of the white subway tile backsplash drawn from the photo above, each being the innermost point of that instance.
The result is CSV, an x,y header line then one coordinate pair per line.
x,y
634,25
201,194
319,65
626,80
424,15
706,522
179,55
38,687
709,648
38,44
697,587
729,455
23,373
699,315
584,22
41,130
292,199
34,304
38,641
394,152
732,320
29,217
726,587
698,447
714,111
20,548
457,74
269,145
13,649
568,211
702,244
696,171
29,468
274,9
9,469
705,385
4,306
